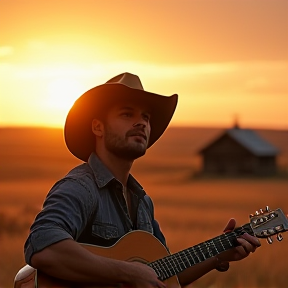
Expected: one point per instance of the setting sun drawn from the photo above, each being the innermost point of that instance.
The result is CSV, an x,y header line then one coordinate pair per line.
x,y
62,92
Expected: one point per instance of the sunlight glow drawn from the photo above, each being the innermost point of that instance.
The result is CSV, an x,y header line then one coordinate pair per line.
x,y
62,92
217,64
51,89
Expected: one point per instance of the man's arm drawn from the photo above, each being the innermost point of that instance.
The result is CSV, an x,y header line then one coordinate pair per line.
x,y
70,261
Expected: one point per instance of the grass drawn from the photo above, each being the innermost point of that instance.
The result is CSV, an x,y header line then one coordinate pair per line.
x,y
189,213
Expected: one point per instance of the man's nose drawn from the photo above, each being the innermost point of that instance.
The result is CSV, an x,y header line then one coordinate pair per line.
x,y
140,122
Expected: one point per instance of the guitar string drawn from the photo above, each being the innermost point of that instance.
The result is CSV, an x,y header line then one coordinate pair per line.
x,y
200,249
172,262
172,266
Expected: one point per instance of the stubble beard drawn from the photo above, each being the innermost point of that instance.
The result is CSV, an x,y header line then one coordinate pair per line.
x,y
121,148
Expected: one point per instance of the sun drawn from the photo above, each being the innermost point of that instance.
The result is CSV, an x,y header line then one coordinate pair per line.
x,y
62,93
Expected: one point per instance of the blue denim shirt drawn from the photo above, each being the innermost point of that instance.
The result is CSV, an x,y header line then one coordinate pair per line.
x,y
87,205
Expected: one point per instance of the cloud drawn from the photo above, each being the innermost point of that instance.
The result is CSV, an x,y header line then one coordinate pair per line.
x,y
265,85
252,77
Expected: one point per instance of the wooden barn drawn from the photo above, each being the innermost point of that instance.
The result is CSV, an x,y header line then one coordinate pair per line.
x,y
239,152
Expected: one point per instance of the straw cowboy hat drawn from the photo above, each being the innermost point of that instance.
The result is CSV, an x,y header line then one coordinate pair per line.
x,y
78,132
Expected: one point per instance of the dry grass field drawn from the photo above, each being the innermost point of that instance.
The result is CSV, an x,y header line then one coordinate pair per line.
x,y
190,210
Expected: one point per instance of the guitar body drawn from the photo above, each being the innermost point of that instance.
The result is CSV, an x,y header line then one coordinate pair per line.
x,y
137,246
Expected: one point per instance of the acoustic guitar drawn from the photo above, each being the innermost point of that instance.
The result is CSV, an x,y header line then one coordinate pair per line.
x,y
263,224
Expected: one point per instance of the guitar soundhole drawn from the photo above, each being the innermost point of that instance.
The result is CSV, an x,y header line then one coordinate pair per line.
x,y
137,259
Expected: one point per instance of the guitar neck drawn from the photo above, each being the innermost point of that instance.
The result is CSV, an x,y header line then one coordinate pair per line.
x,y
175,263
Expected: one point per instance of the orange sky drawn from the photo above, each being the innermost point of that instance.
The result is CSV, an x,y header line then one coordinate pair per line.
x,y
224,58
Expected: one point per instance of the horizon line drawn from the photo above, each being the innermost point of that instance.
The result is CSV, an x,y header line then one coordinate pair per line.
x,y
199,126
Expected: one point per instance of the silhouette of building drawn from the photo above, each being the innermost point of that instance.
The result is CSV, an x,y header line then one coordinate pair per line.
x,y
239,152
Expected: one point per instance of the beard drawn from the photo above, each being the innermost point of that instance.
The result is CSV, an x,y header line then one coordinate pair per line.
x,y
121,147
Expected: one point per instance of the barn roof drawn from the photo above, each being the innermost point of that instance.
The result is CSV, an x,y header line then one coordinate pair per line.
x,y
253,142
250,140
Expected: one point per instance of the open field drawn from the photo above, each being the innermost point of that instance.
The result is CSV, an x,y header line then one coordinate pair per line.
x,y
189,210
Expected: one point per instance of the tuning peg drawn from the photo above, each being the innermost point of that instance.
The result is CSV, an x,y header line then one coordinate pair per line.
x,y
251,215
261,211
279,237
257,213
269,240
267,209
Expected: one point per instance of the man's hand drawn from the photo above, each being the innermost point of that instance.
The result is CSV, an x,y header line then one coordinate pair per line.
x,y
247,244
144,276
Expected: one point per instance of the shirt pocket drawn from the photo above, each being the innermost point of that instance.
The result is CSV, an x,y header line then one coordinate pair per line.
x,y
105,230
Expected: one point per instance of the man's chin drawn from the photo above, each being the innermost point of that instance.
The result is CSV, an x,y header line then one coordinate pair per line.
x,y
135,152
139,140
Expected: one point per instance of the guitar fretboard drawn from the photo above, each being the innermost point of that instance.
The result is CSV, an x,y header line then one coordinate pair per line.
x,y
174,264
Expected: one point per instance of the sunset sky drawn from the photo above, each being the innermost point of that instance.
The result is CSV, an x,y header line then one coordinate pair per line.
x,y
226,59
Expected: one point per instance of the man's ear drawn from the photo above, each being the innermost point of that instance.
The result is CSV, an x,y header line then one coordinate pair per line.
x,y
97,127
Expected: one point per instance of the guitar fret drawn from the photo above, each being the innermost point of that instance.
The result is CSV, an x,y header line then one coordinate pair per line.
x,y
173,266
176,263
233,235
212,250
163,263
186,260
192,255
205,250
184,255
208,248
201,252
222,244
215,247
226,241
156,268
182,260
168,265
189,259
231,244
196,253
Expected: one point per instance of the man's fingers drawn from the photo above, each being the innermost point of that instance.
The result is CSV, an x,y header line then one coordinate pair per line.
x,y
230,225
248,247
160,284
251,239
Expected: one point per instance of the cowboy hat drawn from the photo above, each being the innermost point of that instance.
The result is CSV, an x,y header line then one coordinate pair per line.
x,y
78,132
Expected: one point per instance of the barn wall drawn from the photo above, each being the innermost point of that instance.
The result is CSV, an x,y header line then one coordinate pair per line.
x,y
227,157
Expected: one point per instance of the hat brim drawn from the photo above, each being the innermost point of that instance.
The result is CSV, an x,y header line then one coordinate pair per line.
x,y
78,126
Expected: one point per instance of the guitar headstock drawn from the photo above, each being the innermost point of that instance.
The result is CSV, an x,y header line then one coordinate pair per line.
x,y
266,223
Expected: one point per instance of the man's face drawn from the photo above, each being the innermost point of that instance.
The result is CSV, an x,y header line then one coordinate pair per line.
x,y
127,130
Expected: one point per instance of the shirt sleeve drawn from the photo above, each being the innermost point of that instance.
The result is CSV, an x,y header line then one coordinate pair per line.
x,y
158,233
66,210
156,227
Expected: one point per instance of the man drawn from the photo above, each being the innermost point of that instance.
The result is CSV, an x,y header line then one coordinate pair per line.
x,y
98,202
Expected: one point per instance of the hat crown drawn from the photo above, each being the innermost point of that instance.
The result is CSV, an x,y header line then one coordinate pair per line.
x,y
127,79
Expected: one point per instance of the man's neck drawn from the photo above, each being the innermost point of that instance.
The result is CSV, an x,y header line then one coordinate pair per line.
x,y
119,167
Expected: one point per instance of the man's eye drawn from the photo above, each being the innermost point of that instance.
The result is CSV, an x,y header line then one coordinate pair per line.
x,y
146,117
126,114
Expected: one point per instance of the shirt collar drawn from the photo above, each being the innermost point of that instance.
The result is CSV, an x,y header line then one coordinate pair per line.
x,y
103,175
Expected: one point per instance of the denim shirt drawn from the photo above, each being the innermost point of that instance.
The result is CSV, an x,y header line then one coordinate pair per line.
x,y
88,205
